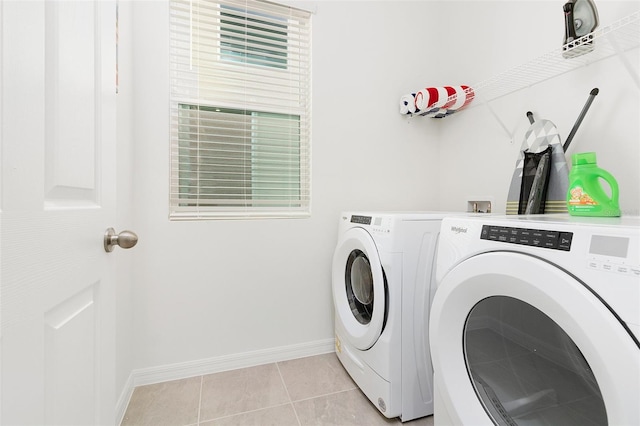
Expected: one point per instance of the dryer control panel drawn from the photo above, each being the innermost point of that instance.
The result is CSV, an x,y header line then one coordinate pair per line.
x,y
556,240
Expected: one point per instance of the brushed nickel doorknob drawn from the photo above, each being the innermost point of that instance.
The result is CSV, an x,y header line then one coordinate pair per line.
x,y
125,239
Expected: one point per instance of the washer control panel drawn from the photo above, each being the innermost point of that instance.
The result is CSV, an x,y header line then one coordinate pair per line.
x,y
379,225
616,254
362,220
556,240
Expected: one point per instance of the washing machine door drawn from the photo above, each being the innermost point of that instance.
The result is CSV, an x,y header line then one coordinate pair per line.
x,y
517,340
359,288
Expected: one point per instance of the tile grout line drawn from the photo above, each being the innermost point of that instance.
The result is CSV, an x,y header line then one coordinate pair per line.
x,y
228,416
200,399
326,394
295,412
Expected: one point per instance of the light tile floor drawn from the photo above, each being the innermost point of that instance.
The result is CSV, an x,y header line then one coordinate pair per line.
x,y
306,391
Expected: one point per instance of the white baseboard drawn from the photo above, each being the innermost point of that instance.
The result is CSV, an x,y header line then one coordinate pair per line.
x,y
123,401
183,370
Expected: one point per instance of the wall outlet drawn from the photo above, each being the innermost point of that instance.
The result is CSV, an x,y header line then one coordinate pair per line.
x,y
480,204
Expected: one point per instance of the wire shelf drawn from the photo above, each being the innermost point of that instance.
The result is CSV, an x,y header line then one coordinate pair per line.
x,y
617,38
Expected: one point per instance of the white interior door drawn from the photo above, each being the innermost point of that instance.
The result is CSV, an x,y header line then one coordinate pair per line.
x,y
58,196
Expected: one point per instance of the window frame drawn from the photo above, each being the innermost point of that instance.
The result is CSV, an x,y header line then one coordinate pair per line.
x,y
256,67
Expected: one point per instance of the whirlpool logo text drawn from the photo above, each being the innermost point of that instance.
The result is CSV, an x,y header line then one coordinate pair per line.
x,y
458,230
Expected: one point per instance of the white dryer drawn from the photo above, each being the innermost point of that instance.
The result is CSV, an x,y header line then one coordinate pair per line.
x,y
536,320
382,271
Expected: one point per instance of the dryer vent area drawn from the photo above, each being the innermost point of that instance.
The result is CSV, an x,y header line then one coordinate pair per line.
x,y
526,369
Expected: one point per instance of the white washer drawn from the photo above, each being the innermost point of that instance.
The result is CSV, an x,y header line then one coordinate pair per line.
x,y
382,272
536,320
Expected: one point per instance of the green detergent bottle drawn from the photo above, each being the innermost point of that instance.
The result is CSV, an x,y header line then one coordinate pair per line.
x,y
585,196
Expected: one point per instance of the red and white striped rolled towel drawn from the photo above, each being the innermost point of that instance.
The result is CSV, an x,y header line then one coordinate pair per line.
x,y
437,102
408,104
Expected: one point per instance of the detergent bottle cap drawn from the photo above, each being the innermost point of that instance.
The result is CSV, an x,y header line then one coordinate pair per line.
x,y
583,158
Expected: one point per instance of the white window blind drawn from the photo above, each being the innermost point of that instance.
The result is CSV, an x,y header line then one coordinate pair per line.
x,y
240,109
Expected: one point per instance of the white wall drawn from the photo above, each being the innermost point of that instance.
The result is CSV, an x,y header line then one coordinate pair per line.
x,y
208,289
203,290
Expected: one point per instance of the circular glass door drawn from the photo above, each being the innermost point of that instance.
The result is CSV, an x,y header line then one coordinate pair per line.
x,y
517,340
358,284
526,370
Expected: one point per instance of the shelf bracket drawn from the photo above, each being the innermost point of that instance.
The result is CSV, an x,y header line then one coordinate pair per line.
x,y
509,133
